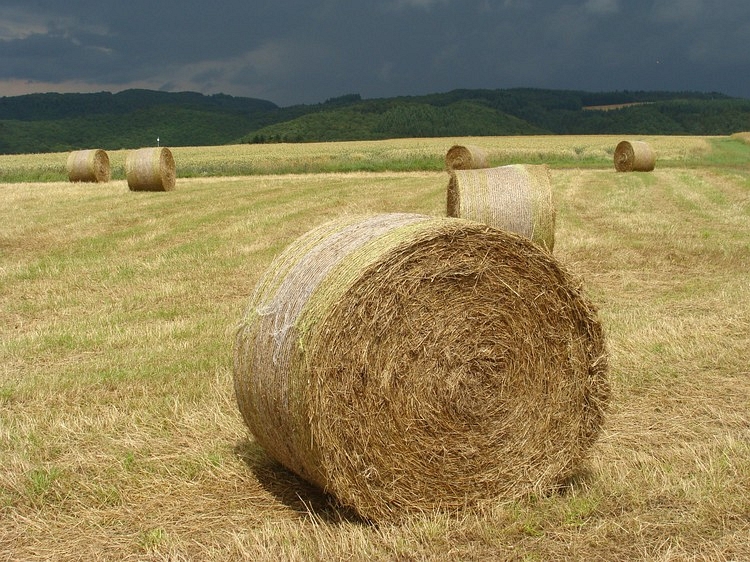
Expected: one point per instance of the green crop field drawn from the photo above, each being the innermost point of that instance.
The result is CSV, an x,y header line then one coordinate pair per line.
x,y
120,437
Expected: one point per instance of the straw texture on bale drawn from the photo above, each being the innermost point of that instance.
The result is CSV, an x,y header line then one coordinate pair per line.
x,y
406,363
150,169
89,166
517,198
467,157
634,156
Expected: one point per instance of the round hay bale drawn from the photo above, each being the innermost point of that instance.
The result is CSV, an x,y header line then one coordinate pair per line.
x,y
467,157
406,363
634,156
517,198
88,166
150,169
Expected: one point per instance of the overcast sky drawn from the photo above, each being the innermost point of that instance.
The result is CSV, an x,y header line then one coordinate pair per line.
x,y
300,51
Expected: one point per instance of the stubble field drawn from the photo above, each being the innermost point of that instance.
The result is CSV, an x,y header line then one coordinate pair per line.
x,y
119,433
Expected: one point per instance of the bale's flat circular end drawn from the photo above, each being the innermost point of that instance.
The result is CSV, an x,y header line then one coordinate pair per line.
x,y
634,156
88,166
150,169
460,157
408,364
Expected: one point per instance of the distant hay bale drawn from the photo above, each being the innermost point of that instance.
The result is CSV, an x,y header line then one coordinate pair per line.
x,y
150,169
743,136
88,166
467,157
634,156
517,198
406,363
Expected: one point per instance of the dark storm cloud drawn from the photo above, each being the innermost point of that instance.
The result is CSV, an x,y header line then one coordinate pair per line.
x,y
290,51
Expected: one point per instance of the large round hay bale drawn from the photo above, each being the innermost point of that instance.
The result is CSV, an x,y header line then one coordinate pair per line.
x,y
150,169
517,198
468,157
634,156
88,166
406,363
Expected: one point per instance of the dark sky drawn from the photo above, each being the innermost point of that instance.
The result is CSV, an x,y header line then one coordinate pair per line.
x,y
298,51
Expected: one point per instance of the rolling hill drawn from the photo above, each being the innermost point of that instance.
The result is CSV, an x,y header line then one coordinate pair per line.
x,y
54,122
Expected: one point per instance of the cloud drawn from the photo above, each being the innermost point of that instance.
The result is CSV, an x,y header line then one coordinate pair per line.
x,y
667,11
603,7
18,24
424,4
265,71
294,51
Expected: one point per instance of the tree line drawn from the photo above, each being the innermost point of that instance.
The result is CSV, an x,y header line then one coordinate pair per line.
x,y
135,118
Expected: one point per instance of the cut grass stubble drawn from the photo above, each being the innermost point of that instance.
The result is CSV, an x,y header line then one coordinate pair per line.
x,y
119,432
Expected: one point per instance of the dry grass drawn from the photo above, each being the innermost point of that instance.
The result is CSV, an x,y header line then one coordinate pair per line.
x,y
498,150
119,433
391,155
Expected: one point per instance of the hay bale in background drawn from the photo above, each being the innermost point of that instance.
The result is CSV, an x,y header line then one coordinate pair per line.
x,y
634,156
466,157
150,169
88,166
406,363
517,198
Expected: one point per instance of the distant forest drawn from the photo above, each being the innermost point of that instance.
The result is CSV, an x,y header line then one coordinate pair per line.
x,y
36,123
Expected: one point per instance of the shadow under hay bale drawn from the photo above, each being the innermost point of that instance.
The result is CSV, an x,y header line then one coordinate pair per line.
x,y
466,157
517,198
150,169
634,156
289,489
406,363
88,166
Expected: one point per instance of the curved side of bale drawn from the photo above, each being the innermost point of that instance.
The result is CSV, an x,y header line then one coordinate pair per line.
x,y
88,166
407,363
150,169
517,198
467,157
634,156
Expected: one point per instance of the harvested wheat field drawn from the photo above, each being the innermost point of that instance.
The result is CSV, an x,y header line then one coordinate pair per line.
x,y
121,437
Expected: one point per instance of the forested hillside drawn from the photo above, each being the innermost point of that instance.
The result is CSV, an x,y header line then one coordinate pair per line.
x,y
134,118
128,119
